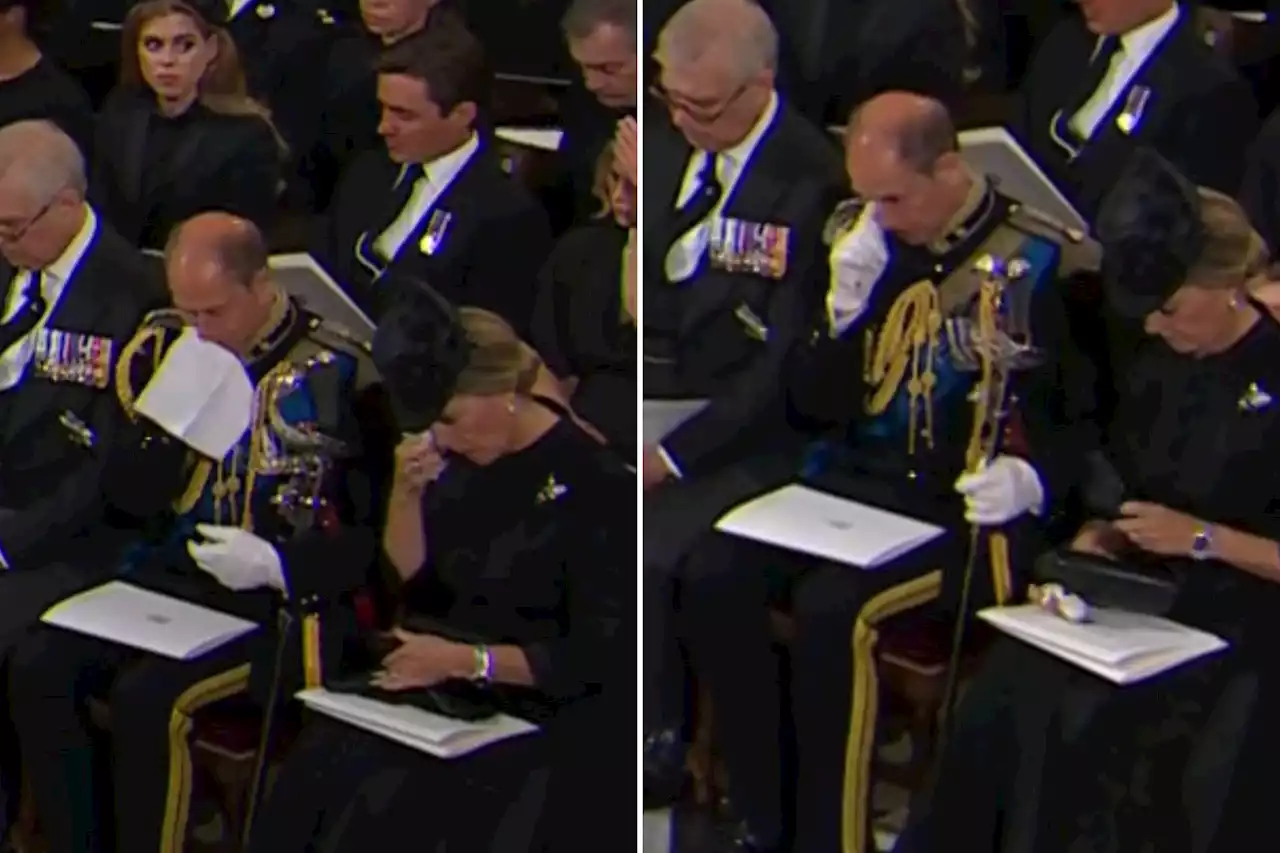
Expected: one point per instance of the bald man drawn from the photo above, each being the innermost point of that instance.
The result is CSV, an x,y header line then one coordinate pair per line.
x,y
235,534
893,373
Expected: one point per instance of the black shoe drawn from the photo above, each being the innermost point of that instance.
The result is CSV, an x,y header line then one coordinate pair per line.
x,y
664,756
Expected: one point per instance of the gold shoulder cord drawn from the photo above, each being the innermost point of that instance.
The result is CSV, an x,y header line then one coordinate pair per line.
x,y
908,338
127,394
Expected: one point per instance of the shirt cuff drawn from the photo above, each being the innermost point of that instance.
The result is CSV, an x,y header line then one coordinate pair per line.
x,y
670,462
4,560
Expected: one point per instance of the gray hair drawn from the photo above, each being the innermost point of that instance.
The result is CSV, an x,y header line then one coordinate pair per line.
x,y
584,17
737,32
40,159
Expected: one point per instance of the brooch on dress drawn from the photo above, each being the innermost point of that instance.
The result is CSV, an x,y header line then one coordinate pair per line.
x,y
1254,399
552,491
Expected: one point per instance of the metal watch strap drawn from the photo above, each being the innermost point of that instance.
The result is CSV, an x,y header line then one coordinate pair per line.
x,y
483,664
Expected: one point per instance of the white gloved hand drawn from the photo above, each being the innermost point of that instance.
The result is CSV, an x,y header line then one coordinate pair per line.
x,y
238,559
1003,490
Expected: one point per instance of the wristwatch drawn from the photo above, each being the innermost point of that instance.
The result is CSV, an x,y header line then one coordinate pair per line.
x,y
1202,545
483,664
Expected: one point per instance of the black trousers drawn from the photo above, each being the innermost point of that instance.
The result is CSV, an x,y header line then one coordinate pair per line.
x,y
835,696
152,701
677,515
344,790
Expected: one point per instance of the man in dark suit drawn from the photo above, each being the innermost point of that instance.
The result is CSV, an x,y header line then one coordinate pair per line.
x,y
838,53
75,290
436,203
736,191
601,35
1128,73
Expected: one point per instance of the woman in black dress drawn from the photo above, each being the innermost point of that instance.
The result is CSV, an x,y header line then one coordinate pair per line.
x,y
179,135
511,527
584,322
1046,758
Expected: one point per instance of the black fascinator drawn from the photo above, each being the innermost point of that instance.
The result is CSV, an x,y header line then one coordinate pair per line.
x,y
420,349
1151,234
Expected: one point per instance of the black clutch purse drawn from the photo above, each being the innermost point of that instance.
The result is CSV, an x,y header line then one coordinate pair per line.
x,y
1135,586
461,700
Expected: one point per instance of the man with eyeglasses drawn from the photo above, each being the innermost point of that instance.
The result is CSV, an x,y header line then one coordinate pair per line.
x,y
74,292
736,187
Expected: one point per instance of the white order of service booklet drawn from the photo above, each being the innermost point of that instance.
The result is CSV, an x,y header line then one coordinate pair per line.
x,y
993,151
662,417
443,737
131,616
802,519
1117,645
306,281
200,395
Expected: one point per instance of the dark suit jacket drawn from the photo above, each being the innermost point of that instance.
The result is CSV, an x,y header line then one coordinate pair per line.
x,y
207,161
835,54
1200,115
496,239
50,484
283,46
793,179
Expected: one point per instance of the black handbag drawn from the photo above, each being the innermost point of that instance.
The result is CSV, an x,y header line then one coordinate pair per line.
x,y
456,698
1135,584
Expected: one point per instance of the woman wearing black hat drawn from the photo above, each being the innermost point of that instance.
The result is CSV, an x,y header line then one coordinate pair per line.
x,y
180,136
513,533
1045,757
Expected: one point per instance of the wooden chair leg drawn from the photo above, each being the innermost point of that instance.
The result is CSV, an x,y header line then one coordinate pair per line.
x,y
26,833
701,759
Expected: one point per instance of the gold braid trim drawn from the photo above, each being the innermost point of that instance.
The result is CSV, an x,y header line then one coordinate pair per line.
x,y
195,487
909,338
983,418
125,391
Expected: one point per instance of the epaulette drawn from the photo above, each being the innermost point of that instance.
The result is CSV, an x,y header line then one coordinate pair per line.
x,y
332,336
1079,251
150,331
165,318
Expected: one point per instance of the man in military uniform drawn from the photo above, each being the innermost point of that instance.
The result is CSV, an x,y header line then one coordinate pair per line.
x,y
236,534
931,269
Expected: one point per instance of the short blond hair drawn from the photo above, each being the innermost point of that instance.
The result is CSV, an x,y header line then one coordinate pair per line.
x,y
500,362
1233,251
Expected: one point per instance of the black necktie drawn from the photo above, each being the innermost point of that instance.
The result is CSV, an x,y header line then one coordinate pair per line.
x,y
33,306
706,195
1093,76
396,201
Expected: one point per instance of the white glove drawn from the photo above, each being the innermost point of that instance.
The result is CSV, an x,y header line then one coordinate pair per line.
x,y
1000,492
238,559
